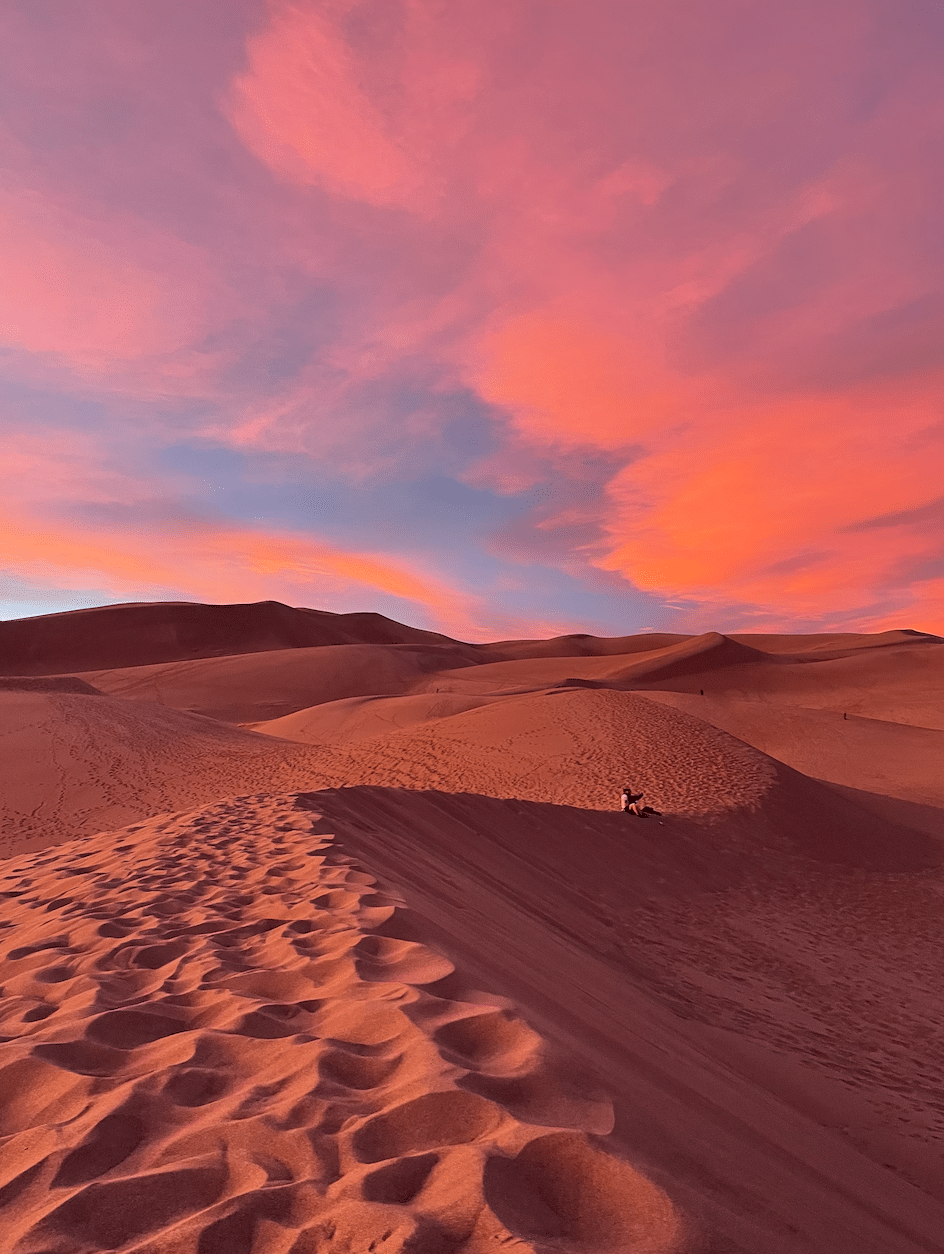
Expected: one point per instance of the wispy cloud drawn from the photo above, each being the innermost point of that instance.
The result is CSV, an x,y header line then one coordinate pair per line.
x,y
683,265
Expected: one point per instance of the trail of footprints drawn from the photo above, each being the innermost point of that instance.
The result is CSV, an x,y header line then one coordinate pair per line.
x,y
217,1038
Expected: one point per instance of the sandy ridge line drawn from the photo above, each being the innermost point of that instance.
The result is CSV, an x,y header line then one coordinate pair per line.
x,y
212,1027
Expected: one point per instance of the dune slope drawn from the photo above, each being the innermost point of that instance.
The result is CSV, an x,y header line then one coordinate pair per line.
x,y
73,764
578,747
769,1050
900,679
223,1050
248,688
359,718
901,683
897,759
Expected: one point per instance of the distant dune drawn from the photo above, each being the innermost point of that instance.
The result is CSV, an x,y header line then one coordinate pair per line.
x,y
140,634
74,764
222,1031
257,686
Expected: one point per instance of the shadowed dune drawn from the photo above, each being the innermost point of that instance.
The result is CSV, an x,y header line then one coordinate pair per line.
x,y
579,645
577,747
760,1037
54,683
142,633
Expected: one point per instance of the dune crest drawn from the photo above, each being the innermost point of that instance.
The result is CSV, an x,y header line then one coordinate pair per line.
x,y
228,1047
143,633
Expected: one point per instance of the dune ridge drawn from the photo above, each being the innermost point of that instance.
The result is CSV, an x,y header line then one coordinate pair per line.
x,y
143,633
226,1048
756,1029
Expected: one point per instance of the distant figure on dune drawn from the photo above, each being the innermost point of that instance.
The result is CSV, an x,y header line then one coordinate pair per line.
x,y
629,801
629,804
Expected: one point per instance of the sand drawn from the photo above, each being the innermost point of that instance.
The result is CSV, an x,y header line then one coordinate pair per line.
x,y
321,933
227,1048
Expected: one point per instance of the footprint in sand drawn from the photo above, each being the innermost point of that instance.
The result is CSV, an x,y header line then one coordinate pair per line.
x,y
203,1066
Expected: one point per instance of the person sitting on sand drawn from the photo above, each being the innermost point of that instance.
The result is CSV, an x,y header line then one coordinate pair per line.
x,y
630,804
629,801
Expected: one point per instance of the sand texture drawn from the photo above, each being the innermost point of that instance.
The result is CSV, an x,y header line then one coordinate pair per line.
x,y
323,933
228,1048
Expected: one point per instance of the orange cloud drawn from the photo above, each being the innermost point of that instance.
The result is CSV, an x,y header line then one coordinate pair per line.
x,y
219,562
762,508
613,226
568,383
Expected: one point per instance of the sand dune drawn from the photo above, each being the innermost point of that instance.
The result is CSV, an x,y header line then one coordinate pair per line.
x,y
577,748
898,684
898,681
579,646
78,764
358,718
53,683
218,1035
838,643
75,764
139,634
762,1039
252,687
570,747
227,1049
896,759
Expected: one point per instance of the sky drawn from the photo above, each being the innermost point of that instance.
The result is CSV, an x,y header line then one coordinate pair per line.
x,y
500,317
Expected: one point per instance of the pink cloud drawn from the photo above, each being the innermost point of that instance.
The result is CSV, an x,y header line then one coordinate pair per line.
x,y
705,241
303,108
98,294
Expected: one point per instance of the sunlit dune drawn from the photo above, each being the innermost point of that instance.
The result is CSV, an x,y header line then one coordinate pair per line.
x,y
359,718
76,764
258,686
900,679
896,759
322,933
